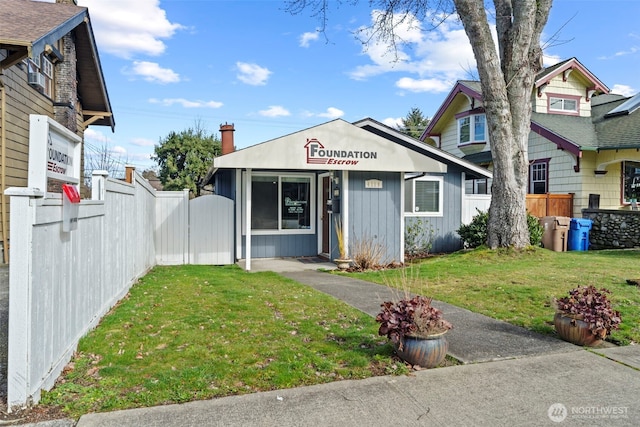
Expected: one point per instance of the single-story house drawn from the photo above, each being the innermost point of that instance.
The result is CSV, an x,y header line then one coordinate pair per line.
x,y
290,191
584,141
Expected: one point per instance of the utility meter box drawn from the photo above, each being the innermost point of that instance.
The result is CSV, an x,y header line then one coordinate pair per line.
x,y
70,207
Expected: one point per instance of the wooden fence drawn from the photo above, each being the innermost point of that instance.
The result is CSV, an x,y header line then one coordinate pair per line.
x,y
541,205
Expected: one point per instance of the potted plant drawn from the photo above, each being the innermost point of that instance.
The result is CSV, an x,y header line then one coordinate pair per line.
x,y
343,262
416,329
585,316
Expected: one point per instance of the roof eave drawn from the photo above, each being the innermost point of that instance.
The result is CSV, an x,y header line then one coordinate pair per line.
x,y
557,139
458,88
443,155
573,63
108,119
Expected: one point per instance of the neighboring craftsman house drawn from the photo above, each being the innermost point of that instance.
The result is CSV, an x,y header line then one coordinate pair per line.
x,y
583,140
375,180
49,65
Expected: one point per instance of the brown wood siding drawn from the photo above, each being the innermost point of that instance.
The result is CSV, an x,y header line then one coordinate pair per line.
x,y
541,205
21,100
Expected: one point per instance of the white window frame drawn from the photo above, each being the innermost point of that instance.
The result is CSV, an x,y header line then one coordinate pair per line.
x,y
47,68
563,100
473,138
36,61
280,230
42,65
411,182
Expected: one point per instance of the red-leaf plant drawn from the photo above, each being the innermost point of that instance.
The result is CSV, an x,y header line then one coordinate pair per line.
x,y
592,306
414,317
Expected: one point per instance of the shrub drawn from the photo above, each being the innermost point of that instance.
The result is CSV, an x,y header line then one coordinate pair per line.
x,y
535,230
418,237
366,252
474,234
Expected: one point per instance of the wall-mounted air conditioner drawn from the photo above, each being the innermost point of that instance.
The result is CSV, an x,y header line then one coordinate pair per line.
x,y
36,80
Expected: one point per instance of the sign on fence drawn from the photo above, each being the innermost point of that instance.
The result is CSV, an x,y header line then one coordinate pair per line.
x,y
54,153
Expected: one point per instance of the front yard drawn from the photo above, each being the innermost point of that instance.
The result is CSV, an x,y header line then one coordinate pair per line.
x,y
197,332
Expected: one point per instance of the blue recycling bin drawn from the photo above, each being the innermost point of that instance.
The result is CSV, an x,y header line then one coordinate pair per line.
x,y
579,234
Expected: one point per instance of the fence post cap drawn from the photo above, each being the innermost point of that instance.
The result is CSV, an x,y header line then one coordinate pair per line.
x,y
24,192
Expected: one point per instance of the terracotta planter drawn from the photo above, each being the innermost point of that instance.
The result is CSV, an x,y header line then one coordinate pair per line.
x,y
426,352
342,264
575,331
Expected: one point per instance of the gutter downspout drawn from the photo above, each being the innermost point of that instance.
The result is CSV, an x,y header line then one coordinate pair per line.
x,y
3,169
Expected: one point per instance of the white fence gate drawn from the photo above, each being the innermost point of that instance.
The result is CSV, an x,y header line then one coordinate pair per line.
x,y
211,230
197,231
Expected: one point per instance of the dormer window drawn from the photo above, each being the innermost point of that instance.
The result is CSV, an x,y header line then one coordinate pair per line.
x,y
472,129
564,104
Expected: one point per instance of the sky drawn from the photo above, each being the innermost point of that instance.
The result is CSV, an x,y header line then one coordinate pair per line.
x,y
171,65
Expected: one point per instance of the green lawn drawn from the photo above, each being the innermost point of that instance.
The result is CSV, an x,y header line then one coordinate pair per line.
x,y
520,287
197,332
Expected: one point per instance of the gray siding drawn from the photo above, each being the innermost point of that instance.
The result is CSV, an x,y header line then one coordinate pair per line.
x,y
284,245
376,213
225,183
446,238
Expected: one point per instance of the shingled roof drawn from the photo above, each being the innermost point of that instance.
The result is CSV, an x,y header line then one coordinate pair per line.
x,y
27,27
619,131
602,131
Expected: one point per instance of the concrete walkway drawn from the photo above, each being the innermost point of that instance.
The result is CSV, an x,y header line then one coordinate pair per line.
x,y
525,379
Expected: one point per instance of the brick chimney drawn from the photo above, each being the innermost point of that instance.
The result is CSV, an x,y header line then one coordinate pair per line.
x,y
226,130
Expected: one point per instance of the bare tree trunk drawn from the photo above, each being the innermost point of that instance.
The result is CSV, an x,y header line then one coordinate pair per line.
x,y
507,84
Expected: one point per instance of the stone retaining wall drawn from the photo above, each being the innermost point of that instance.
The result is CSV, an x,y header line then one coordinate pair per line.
x,y
613,229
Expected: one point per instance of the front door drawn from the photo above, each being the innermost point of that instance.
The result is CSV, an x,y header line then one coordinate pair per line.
x,y
324,215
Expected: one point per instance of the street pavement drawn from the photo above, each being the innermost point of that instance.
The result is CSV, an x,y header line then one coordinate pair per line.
x,y
508,377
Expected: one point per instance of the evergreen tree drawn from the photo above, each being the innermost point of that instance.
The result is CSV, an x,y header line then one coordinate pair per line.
x,y
184,158
414,124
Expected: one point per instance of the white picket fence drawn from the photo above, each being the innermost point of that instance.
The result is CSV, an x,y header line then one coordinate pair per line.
x,y
62,283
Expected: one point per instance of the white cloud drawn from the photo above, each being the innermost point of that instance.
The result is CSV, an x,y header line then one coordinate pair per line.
x,y
119,150
332,113
142,142
153,72
252,74
623,90
168,102
275,111
90,134
436,56
550,60
128,28
620,53
423,85
393,122
307,38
